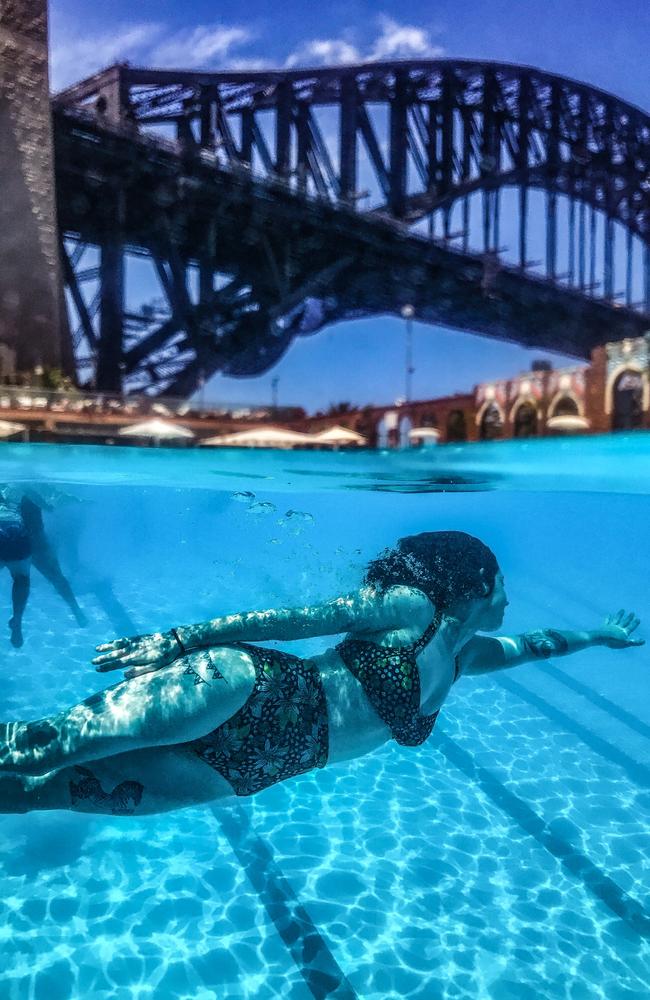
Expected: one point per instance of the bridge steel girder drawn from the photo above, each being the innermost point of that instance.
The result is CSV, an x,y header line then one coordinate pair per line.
x,y
299,263
596,133
251,159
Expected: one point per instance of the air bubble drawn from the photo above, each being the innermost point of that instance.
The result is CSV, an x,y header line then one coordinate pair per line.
x,y
262,507
299,515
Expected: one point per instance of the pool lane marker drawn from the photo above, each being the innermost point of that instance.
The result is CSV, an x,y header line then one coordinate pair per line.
x,y
638,773
599,700
552,836
308,948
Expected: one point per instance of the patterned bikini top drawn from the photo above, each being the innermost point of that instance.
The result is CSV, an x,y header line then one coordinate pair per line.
x,y
391,682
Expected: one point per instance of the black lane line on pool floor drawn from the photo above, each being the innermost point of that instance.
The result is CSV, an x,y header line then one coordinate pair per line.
x,y
602,702
308,948
637,772
630,911
599,700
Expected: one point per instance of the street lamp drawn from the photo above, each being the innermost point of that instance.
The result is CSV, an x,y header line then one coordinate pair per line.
x,y
408,312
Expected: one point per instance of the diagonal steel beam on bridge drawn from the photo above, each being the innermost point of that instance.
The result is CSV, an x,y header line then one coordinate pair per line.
x,y
214,353
72,282
157,338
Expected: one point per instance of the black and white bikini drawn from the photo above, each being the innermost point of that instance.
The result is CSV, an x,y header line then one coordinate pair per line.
x,y
282,729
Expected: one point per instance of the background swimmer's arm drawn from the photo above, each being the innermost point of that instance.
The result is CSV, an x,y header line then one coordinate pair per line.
x,y
364,610
484,654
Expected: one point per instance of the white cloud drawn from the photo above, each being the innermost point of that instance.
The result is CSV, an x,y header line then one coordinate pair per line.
x,y
74,57
215,46
324,52
203,46
395,41
403,41
250,65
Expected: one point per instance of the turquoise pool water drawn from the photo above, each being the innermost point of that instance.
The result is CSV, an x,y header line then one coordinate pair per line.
x,y
505,859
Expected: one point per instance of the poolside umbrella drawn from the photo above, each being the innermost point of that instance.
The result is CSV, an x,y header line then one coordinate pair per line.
x,y
424,434
567,422
8,428
158,430
338,436
261,437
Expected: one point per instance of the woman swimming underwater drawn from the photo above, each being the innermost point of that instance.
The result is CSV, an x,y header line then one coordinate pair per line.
x,y
225,717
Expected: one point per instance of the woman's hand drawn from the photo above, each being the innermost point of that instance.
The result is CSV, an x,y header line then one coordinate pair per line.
x,y
617,631
141,654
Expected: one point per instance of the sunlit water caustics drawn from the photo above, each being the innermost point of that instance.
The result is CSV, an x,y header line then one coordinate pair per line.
x,y
506,858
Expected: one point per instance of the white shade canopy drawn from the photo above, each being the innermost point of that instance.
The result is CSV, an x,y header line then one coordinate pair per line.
x,y
424,434
159,429
8,428
260,437
567,422
338,435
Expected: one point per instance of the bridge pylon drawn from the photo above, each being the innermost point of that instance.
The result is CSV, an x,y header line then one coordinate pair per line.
x,y
33,322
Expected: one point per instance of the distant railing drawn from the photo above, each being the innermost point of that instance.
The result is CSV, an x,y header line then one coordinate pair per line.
x,y
75,402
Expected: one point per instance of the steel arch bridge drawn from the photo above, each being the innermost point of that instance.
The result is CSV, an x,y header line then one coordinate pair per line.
x,y
272,203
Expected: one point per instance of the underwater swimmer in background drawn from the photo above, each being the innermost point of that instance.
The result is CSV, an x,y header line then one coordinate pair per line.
x,y
204,714
23,543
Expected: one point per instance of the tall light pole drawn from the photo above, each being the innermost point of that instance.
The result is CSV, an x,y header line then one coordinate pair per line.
x,y
202,390
274,392
408,312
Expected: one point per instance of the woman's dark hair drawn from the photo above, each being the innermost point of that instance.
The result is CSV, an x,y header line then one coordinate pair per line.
x,y
447,566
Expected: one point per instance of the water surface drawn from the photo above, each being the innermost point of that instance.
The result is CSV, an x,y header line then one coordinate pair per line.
x,y
505,858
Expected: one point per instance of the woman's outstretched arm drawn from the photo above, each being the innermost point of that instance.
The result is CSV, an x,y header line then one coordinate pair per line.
x,y
483,654
364,610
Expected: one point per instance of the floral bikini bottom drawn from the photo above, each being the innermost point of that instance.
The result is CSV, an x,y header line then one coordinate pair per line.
x,y
281,731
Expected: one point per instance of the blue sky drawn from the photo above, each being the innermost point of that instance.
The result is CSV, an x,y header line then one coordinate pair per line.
x,y
599,41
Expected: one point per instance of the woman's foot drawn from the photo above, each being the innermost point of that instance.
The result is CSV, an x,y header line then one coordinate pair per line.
x,y
16,633
81,619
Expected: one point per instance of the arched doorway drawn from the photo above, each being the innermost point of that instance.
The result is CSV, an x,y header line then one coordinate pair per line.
x,y
627,395
381,434
456,426
388,430
566,406
405,425
525,422
491,426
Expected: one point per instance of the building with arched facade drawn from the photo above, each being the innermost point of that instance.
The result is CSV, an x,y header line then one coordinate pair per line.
x,y
612,393
522,407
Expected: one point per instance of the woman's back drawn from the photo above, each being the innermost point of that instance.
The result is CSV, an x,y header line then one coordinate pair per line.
x,y
387,684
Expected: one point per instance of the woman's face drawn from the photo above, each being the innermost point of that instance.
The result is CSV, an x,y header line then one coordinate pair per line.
x,y
494,606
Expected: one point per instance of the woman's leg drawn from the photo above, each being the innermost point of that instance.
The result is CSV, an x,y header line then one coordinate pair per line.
x,y
129,784
177,704
19,593
46,562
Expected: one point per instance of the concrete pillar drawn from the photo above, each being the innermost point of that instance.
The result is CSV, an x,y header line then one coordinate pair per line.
x,y
30,289
600,421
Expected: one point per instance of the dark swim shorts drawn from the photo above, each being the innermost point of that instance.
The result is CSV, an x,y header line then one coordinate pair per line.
x,y
14,541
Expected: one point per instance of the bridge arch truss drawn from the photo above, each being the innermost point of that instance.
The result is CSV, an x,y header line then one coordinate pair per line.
x,y
514,189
